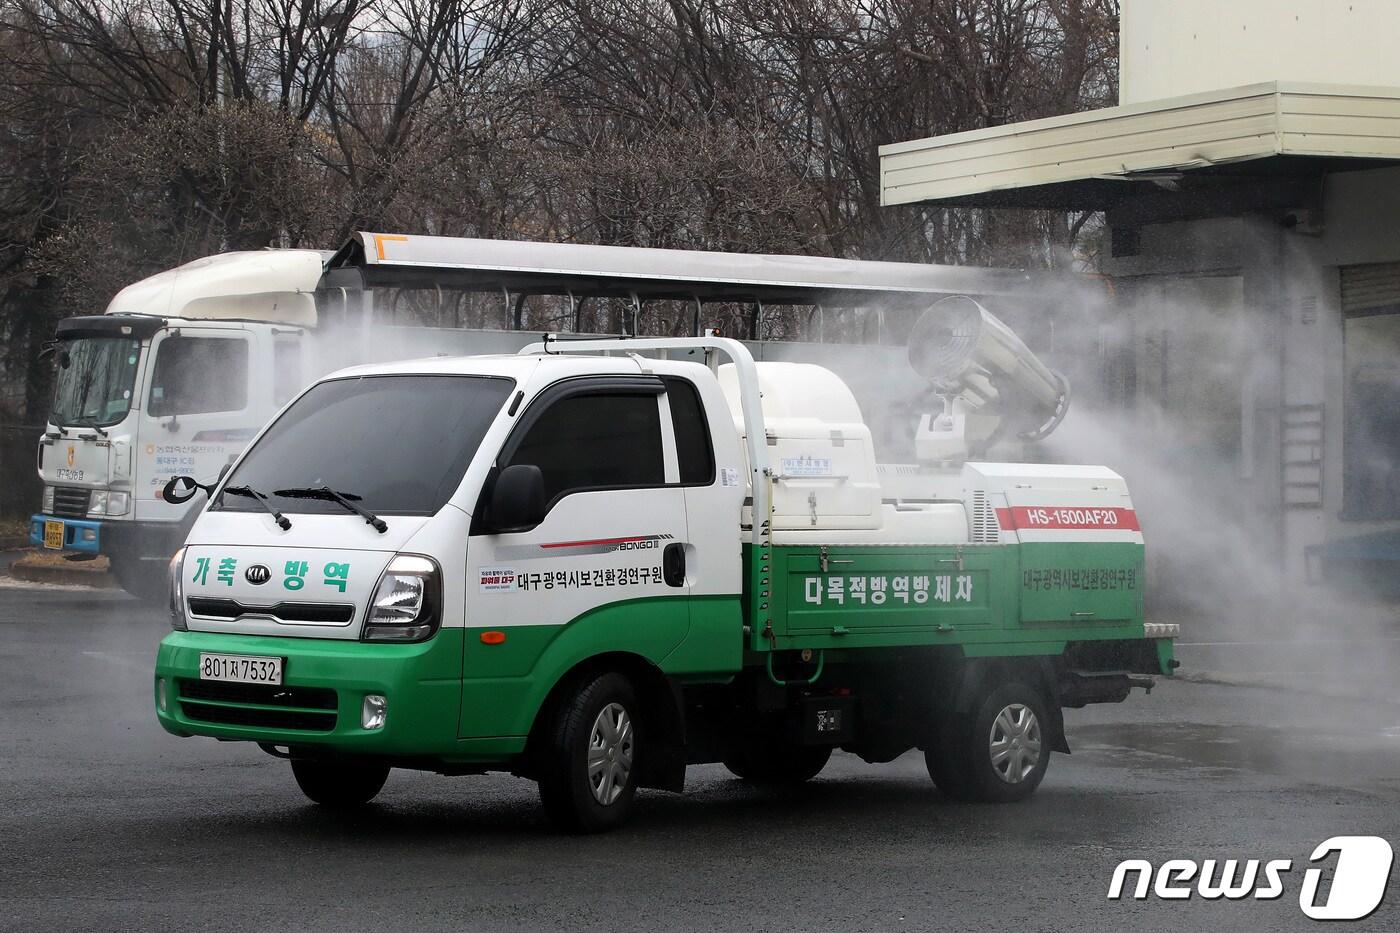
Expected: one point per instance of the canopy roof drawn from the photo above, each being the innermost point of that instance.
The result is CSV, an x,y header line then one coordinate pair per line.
x,y
1098,159
526,267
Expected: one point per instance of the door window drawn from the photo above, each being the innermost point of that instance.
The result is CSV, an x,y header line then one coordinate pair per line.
x,y
697,457
194,375
595,442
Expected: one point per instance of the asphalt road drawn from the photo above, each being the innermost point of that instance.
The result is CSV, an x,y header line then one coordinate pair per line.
x,y
110,824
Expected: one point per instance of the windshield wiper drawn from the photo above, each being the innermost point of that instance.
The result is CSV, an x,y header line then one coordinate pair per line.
x,y
283,521
330,495
84,423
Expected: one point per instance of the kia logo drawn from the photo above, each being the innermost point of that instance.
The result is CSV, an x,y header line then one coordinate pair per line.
x,y
257,574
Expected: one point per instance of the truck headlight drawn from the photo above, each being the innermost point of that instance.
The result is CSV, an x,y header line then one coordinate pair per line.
x,y
104,502
177,591
407,603
47,506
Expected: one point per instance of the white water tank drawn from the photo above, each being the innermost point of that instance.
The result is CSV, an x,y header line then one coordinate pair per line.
x,y
820,448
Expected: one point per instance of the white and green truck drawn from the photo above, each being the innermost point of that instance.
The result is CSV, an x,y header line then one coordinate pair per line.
x,y
593,563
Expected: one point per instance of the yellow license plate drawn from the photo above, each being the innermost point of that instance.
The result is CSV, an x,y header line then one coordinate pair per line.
x,y
53,535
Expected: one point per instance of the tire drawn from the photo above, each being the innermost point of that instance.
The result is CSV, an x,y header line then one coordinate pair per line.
x,y
144,579
996,753
340,784
763,762
588,768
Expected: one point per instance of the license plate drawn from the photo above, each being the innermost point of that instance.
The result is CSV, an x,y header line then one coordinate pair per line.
x,y
53,535
240,668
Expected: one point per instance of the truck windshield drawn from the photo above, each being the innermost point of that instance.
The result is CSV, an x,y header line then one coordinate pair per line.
x,y
96,377
396,445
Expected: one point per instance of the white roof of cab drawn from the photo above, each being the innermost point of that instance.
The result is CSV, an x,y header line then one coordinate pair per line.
x,y
516,366
264,285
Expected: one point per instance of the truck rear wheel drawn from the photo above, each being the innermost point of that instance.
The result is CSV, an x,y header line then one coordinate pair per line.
x,y
588,772
339,783
998,752
776,762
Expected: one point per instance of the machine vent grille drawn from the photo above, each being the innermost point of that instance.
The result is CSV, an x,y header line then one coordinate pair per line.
x,y
985,529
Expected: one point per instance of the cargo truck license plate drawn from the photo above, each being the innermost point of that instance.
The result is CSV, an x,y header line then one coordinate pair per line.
x,y
240,669
53,535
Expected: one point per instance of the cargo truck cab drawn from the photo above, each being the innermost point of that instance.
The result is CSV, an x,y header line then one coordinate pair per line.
x,y
143,394
592,568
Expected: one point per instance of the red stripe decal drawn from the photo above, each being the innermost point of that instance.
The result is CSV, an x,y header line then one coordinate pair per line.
x,y
1067,518
596,542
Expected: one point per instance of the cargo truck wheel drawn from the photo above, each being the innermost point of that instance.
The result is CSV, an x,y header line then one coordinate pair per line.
x,y
339,784
588,772
998,752
775,762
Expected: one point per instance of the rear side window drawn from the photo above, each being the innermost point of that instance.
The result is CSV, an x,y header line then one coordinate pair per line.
x,y
595,441
286,369
194,375
697,457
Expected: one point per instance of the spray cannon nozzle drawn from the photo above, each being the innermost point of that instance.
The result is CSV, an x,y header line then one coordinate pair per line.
x,y
971,357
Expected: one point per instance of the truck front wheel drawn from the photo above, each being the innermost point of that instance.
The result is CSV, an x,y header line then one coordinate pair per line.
x,y
339,783
588,768
997,752
775,762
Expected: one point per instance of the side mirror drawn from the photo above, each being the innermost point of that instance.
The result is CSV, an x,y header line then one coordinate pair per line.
x,y
181,489
517,499
223,471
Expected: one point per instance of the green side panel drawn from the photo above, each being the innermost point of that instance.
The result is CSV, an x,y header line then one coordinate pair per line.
x,y
421,682
1098,581
713,649
504,685
890,589
994,600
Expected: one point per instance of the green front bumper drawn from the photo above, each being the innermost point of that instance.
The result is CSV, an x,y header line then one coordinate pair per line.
x,y
421,682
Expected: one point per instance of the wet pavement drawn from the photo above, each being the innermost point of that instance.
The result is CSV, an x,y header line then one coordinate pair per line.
x,y
108,823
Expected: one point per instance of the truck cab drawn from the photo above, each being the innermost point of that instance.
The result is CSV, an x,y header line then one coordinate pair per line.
x,y
144,392
593,568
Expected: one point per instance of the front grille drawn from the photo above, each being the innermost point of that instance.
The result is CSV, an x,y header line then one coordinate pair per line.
x,y
267,694
230,610
305,709
70,501
259,718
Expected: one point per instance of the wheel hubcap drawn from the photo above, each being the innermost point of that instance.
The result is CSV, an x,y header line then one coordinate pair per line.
x,y
1015,743
610,753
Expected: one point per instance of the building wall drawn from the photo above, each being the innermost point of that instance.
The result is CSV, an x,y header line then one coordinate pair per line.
x,y
1287,363
1174,47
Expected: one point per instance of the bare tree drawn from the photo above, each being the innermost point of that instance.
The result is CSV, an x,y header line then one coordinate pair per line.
x,y
136,134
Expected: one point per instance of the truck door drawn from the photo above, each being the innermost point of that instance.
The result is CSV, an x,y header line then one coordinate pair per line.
x,y
608,555
711,472
199,411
